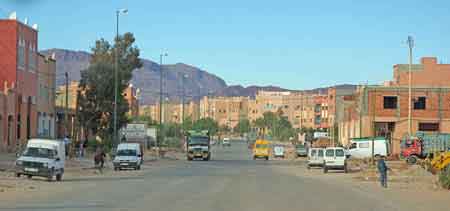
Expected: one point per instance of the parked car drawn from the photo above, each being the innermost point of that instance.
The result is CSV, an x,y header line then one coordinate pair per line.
x,y
315,157
362,147
226,142
278,151
128,156
301,151
335,159
43,158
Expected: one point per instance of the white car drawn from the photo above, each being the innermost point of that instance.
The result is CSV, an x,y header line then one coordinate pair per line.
x,y
43,158
315,157
335,159
128,156
278,151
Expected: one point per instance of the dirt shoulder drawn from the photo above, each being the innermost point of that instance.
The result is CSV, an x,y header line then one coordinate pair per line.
x,y
410,188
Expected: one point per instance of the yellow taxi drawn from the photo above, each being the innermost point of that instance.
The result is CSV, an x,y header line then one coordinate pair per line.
x,y
261,149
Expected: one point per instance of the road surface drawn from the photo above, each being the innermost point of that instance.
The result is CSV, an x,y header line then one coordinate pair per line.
x,y
230,182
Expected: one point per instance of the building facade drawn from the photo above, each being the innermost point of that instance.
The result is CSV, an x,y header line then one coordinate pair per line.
x,y
18,75
46,117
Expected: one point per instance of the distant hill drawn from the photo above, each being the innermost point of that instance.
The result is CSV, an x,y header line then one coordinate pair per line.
x,y
198,83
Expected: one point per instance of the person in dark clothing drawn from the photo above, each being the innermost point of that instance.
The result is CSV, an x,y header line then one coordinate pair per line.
x,y
382,169
99,158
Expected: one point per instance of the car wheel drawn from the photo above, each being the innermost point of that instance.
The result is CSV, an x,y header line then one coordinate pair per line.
x,y
189,158
267,158
411,160
18,175
59,177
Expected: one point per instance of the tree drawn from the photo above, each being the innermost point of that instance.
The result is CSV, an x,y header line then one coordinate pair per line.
x,y
187,124
243,126
96,98
206,124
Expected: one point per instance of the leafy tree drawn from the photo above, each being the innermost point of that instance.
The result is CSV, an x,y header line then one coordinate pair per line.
x,y
96,98
188,124
243,126
206,124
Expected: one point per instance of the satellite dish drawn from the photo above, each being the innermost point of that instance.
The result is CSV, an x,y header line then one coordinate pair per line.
x,y
13,16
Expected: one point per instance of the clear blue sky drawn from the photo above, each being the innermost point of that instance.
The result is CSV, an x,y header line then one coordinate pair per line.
x,y
294,44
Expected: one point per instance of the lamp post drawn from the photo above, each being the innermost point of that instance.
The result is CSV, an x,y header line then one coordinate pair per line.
x,y
160,98
116,70
411,46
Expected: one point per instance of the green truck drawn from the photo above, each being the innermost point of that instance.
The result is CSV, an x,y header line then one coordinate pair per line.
x,y
198,145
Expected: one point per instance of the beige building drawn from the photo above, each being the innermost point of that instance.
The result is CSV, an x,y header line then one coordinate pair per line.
x,y
227,111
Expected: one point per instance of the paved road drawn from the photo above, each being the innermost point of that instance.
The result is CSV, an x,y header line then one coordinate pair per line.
x,y
230,182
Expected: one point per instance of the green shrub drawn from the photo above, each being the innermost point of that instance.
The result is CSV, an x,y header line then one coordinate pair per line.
x,y
444,178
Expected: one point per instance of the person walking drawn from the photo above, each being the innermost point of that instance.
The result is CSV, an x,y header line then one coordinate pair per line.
x,y
382,170
99,158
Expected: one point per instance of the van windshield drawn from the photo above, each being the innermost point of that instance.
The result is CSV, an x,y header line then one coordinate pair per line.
x,y
329,153
198,140
39,152
126,152
340,153
261,146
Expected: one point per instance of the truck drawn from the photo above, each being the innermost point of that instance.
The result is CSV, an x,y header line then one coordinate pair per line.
x,y
42,158
424,145
362,147
198,145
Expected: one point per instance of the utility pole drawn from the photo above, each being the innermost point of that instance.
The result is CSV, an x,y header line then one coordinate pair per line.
x,y
116,70
66,116
160,99
411,46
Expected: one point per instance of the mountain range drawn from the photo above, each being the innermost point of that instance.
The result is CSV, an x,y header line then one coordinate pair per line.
x,y
197,82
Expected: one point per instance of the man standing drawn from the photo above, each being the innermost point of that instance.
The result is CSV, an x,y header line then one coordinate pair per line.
x,y
382,170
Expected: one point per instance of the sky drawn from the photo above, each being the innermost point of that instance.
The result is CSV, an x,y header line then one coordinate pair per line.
x,y
293,44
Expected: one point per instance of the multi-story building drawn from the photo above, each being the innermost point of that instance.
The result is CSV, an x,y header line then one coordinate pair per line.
x,y
383,110
19,74
131,96
46,97
227,111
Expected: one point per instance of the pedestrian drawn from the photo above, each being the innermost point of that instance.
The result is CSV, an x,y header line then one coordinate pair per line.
x,y
66,144
81,153
382,170
99,158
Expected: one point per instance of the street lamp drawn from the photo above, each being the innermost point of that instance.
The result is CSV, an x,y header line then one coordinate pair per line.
x,y
118,12
160,97
411,46
182,97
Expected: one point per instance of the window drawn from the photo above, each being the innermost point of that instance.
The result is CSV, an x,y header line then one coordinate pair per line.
x,y
363,145
330,153
340,153
317,120
313,152
31,58
428,126
353,146
420,103
317,108
390,102
21,53
320,152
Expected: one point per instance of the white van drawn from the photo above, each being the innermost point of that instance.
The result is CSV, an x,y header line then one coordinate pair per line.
x,y
335,159
362,147
43,158
315,157
128,155
278,151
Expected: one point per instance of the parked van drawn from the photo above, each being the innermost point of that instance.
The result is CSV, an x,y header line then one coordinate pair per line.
x,y
278,151
362,147
129,155
315,157
261,149
335,159
43,158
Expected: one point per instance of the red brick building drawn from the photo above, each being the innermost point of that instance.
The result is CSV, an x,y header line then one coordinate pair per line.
x,y
18,75
383,110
